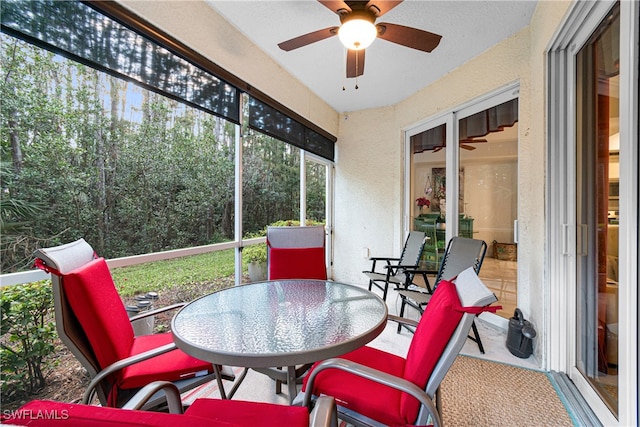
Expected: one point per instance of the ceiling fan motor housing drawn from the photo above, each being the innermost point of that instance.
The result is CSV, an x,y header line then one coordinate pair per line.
x,y
357,30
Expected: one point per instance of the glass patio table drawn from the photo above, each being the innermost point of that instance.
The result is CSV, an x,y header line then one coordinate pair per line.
x,y
282,323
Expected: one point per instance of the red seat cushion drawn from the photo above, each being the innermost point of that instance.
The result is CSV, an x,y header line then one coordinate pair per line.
x,y
428,343
297,263
97,305
249,413
95,302
171,366
45,413
382,403
361,395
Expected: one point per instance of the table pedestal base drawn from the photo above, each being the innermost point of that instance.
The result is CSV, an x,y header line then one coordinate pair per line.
x,y
291,376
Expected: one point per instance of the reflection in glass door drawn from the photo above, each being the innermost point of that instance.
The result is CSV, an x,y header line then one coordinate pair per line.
x,y
488,194
428,189
597,180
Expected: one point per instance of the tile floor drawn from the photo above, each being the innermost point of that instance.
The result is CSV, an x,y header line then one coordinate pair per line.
x,y
258,387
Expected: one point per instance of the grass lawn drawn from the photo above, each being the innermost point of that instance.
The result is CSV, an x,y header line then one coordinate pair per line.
x,y
159,275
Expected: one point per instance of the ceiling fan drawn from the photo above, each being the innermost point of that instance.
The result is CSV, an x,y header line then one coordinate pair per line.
x,y
358,30
464,143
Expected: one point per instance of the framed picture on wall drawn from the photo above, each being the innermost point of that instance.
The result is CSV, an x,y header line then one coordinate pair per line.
x,y
440,188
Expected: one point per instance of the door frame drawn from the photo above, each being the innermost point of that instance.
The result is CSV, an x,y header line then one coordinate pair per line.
x,y
581,20
452,157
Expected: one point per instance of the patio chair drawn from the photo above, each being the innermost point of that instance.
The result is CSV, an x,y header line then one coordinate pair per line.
x,y
461,253
203,412
92,322
374,388
296,253
398,271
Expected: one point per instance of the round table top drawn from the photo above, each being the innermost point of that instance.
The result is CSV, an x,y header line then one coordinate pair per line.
x,y
279,323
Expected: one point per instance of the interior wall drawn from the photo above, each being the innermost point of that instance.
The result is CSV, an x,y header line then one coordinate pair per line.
x,y
372,148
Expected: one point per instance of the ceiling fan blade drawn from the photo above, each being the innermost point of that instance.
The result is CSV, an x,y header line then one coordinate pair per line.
x,y
309,38
467,147
355,63
380,7
407,36
471,141
336,6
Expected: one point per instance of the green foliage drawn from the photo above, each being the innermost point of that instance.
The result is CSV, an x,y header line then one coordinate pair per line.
x,y
27,336
127,169
258,252
255,253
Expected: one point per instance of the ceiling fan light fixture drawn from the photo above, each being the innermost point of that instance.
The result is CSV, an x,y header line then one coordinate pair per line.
x,y
357,33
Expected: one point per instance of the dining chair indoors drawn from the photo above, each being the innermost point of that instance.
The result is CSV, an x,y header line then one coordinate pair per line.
x,y
400,271
92,322
434,248
376,388
203,412
461,253
296,253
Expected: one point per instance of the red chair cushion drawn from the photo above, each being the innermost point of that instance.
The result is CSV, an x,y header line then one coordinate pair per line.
x,y
249,413
361,395
46,413
428,343
95,302
98,307
297,263
382,403
171,366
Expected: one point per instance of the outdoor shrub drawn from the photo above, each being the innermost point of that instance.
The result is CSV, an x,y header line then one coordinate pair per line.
x,y
258,252
27,336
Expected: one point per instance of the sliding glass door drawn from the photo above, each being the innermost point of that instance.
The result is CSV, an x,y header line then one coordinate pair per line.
x,y
470,188
593,206
488,193
597,208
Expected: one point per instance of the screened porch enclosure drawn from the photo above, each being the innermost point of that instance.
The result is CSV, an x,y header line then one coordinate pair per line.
x,y
143,148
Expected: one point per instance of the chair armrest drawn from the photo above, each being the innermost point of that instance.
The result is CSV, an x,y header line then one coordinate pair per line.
x,y
402,267
324,413
377,376
402,320
143,395
157,311
415,270
114,367
376,259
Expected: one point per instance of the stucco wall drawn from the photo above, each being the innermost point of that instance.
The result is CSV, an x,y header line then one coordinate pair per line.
x,y
371,152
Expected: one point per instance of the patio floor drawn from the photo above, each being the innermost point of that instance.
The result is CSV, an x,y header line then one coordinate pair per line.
x,y
260,388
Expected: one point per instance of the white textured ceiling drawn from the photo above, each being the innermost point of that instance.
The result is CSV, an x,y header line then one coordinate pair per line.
x,y
392,72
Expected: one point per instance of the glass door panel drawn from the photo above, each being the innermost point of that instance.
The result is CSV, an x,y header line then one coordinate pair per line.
x,y
488,194
597,202
428,190
316,191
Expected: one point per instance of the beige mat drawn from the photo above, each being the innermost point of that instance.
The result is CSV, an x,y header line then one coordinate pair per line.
x,y
477,392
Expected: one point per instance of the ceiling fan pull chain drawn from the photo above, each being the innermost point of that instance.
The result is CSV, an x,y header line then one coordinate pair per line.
x,y
357,55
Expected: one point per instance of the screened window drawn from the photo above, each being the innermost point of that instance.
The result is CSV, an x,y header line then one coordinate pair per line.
x,y
118,133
